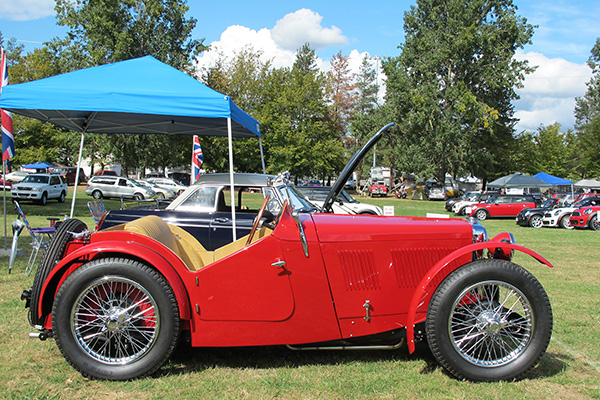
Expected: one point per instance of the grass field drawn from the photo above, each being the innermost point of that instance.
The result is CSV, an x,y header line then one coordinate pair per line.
x,y
31,369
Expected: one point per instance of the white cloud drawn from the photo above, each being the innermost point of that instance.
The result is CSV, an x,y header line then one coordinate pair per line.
x,y
303,26
549,93
26,10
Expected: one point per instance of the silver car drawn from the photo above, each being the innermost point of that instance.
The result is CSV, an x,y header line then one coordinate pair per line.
x,y
103,186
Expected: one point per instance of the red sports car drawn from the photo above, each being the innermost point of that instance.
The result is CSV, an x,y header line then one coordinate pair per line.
x,y
586,217
502,205
117,300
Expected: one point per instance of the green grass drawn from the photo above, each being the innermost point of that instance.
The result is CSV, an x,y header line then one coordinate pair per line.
x,y
30,369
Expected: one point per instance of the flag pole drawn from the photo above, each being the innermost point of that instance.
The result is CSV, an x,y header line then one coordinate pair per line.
x,y
192,175
4,197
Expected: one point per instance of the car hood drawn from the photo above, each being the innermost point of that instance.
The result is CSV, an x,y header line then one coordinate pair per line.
x,y
29,185
337,187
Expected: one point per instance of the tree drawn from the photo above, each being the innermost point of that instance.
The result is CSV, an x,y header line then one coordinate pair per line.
x,y
306,60
342,91
452,85
587,119
116,30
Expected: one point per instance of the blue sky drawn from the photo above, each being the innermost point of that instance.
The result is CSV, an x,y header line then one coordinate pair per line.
x,y
567,30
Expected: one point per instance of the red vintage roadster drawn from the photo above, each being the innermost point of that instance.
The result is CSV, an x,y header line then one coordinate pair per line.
x,y
116,301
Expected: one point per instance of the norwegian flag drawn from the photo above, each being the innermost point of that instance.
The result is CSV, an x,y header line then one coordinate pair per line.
x,y
197,159
8,139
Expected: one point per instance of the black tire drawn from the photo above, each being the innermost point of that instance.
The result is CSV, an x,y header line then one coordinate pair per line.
x,y
97,194
44,199
489,320
138,197
108,335
52,254
481,214
594,223
565,222
61,198
536,221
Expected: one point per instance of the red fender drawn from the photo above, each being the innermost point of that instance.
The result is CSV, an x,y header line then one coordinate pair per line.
x,y
420,290
153,253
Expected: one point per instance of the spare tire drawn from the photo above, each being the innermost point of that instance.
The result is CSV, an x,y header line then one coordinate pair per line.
x,y
53,253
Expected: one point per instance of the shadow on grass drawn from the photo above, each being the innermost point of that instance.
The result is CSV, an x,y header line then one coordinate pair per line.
x,y
187,359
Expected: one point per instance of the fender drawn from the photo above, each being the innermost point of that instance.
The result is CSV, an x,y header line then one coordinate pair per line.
x,y
154,254
420,289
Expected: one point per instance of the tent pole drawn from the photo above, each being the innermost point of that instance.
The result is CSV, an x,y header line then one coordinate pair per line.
x,y
77,174
262,156
230,143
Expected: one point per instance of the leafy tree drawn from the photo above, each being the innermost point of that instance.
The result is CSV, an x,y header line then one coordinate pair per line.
x,y
451,87
342,91
587,119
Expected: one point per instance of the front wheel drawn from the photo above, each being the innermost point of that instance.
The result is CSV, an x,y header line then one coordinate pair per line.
x,y
489,320
115,319
44,199
97,194
594,223
536,221
565,222
481,215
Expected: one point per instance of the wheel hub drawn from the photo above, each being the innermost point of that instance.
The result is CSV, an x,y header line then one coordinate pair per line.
x,y
489,323
117,319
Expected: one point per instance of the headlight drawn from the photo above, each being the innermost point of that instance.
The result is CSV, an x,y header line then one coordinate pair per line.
x,y
587,211
37,189
555,213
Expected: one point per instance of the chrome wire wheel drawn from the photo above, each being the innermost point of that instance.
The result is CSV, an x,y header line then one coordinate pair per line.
x,y
115,320
491,323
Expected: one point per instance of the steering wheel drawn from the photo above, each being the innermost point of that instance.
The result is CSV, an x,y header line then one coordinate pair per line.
x,y
257,219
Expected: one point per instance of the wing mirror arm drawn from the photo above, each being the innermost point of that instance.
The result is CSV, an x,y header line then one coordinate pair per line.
x,y
296,218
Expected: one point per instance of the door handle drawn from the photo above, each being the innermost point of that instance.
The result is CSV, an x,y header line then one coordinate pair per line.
x,y
278,264
222,220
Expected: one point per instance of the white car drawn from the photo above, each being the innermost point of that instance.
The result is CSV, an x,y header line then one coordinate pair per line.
x,y
560,216
41,188
461,206
166,193
344,204
168,183
16,176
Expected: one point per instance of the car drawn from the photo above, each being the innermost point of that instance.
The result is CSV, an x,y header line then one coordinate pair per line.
x,y
116,301
107,186
344,204
204,209
436,192
460,207
501,206
16,176
378,188
534,216
586,217
7,184
560,217
70,173
162,192
168,183
106,172
40,188
450,202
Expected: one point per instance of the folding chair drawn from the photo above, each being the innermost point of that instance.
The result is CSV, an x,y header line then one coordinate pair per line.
x,y
38,236
97,210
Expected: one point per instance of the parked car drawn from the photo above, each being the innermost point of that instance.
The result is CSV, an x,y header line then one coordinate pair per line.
x,y
167,194
117,300
378,189
40,188
7,185
436,192
204,209
560,217
16,176
534,216
106,172
344,204
107,186
70,173
168,183
502,205
586,217
450,202
460,207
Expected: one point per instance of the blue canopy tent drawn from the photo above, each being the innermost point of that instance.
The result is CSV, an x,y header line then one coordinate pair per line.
x,y
39,165
141,95
554,180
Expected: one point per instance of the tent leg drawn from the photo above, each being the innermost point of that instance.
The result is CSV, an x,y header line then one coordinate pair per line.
x,y
262,156
77,175
230,144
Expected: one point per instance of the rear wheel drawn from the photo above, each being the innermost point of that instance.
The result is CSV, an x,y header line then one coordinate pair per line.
x,y
116,319
61,198
536,221
489,320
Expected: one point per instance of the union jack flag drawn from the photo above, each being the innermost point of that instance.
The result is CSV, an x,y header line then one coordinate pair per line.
x,y
197,159
8,139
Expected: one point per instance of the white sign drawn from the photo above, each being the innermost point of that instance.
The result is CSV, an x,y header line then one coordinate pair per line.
x,y
388,211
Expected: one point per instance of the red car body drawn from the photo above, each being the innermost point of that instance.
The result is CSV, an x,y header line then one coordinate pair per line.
x,y
116,300
502,206
586,217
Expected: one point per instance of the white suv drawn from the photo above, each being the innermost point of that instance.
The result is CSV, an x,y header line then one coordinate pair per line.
x,y
40,188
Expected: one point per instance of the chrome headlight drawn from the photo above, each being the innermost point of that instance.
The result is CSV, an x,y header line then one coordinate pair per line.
x,y
479,232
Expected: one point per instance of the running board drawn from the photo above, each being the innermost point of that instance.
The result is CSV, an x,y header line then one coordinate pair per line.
x,y
349,347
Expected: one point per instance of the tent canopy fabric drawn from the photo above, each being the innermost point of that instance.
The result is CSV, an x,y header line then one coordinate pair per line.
x,y
518,180
551,179
39,165
588,184
141,95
